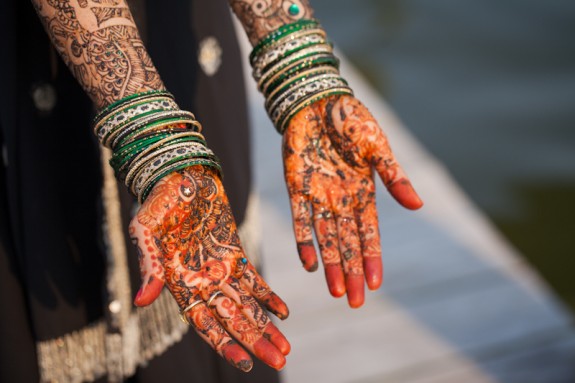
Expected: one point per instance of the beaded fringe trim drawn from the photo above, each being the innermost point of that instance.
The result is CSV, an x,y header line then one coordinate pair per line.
x,y
95,351
86,355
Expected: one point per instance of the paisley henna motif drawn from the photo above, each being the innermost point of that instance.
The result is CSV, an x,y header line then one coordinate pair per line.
x,y
187,239
329,151
99,42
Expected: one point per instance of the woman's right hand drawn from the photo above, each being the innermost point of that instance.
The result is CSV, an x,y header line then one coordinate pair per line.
x,y
187,239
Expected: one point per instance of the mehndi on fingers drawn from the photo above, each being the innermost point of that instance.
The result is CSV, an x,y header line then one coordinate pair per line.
x,y
214,284
185,231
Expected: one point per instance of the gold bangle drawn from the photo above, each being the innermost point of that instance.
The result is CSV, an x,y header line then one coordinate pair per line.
x,y
140,158
292,36
325,69
316,49
265,83
129,106
135,125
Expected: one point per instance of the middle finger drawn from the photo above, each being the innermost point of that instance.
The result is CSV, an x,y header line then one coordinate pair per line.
x,y
350,249
241,328
326,234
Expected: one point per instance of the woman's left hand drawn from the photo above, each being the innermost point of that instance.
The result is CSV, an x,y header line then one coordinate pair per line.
x,y
330,149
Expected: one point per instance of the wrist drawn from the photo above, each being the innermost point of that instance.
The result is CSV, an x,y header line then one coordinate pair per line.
x,y
150,137
295,67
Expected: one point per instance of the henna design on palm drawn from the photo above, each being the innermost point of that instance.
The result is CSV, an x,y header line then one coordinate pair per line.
x,y
187,239
330,150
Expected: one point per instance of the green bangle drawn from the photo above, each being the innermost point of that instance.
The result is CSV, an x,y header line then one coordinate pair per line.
x,y
293,80
287,66
134,181
260,75
131,110
289,53
153,120
118,103
134,147
127,162
321,60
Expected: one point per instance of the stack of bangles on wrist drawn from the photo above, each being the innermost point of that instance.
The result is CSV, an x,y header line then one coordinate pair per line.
x,y
294,67
151,137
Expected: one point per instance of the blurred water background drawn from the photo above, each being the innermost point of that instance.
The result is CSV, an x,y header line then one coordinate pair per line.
x,y
489,88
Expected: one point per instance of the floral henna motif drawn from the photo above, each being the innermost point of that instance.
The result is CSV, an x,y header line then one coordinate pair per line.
x,y
99,42
261,17
329,151
187,239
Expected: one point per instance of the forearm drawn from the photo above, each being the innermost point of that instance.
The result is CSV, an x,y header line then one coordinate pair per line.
x,y
259,17
99,41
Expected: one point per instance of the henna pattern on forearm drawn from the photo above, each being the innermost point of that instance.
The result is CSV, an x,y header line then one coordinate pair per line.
x,y
104,14
260,17
99,42
187,218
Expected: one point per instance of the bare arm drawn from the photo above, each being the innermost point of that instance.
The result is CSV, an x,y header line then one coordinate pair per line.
x,y
99,42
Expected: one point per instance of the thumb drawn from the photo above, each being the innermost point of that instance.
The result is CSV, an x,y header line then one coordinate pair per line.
x,y
394,178
151,268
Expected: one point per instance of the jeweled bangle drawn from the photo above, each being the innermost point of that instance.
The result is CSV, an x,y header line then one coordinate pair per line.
x,y
129,161
291,91
260,73
294,67
170,116
281,32
165,158
303,91
136,96
150,137
298,77
141,157
131,110
288,48
315,61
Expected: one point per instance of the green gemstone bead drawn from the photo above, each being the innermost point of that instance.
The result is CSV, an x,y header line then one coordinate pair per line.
x,y
293,10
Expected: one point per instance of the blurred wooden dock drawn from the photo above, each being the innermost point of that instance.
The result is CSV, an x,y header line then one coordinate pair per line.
x,y
457,305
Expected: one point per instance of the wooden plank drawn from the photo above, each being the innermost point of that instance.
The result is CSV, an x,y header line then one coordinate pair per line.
x,y
458,303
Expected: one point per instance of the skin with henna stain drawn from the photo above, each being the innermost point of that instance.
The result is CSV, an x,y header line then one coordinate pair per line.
x,y
330,150
188,240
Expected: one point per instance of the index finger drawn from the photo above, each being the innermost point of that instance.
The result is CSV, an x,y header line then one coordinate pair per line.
x,y
392,174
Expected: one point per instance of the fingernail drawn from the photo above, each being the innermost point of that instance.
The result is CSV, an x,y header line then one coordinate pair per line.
x,y
335,280
269,354
308,256
245,365
138,295
355,291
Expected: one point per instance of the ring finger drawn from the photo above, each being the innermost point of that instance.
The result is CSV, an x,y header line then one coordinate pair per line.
x,y
326,234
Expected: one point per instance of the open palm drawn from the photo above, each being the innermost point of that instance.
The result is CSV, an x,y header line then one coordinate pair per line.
x,y
330,149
